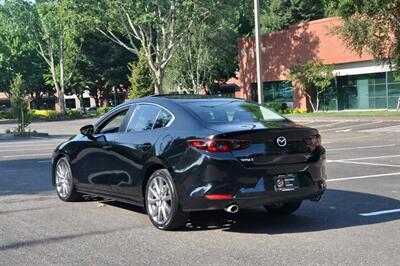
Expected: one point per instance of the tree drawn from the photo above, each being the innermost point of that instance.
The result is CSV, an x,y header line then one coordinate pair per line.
x,y
17,51
313,78
158,25
372,26
19,104
55,27
101,67
208,54
280,14
141,79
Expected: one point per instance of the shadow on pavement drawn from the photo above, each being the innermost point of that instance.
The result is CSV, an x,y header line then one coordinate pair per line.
x,y
339,209
55,239
25,176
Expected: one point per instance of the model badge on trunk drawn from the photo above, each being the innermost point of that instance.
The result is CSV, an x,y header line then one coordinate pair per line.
x,y
281,141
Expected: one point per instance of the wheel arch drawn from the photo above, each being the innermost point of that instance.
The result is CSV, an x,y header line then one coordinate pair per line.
x,y
151,166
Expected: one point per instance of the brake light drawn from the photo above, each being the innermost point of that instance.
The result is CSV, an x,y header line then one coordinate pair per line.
x,y
313,141
219,145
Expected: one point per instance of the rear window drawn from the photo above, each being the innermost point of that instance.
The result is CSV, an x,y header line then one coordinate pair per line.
x,y
232,112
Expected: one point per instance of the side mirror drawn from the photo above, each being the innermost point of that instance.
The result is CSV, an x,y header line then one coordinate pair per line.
x,y
87,131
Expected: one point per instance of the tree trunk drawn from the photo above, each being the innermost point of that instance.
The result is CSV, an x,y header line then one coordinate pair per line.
x,y
158,84
317,106
310,101
62,82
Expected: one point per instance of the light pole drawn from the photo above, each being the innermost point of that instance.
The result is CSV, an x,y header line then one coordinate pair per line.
x,y
260,90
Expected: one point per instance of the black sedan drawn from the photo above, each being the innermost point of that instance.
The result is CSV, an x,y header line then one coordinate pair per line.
x,y
178,154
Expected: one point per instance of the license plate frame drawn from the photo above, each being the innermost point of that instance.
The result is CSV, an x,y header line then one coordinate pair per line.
x,y
287,182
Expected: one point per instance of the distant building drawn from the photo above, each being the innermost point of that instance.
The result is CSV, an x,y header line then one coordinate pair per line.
x,y
360,83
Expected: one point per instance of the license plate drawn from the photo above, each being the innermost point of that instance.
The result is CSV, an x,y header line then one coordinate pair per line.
x,y
286,182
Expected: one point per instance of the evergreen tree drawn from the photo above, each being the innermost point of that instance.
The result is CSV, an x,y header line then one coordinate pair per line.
x,y
18,103
141,79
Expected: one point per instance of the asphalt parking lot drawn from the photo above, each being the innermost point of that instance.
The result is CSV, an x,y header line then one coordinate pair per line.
x,y
356,223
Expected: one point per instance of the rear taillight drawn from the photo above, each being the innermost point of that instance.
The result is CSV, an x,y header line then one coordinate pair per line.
x,y
313,141
219,145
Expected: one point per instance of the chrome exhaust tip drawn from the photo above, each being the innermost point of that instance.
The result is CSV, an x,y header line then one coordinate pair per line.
x,y
232,208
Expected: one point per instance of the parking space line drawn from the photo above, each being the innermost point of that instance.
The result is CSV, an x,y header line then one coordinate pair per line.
x,y
364,163
352,126
363,147
24,155
37,149
365,158
379,212
362,177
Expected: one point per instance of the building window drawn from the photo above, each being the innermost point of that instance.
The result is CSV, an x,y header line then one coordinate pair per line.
x,y
86,102
368,91
275,91
70,103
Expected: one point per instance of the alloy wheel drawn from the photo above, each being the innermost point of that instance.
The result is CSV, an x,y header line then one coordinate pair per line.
x,y
63,178
159,200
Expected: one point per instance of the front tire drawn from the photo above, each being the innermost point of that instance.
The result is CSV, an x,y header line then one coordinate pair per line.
x,y
64,182
283,208
162,202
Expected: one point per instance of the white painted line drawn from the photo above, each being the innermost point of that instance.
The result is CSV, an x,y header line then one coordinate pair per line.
x,y
364,147
344,130
351,126
379,212
365,158
361,177
45,142
28,150
25,155
327,125
364,163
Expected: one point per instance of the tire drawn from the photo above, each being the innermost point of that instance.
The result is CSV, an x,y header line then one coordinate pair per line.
x,y
283,208
162,202
64,182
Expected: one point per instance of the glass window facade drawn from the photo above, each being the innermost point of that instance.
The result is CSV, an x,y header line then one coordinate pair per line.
x,y
355,92
275,91
367,91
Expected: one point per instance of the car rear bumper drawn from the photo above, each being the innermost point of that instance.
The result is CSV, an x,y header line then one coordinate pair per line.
x,y
247,186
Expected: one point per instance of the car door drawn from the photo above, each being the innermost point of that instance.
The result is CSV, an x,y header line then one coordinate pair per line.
x,y
96,161
137,145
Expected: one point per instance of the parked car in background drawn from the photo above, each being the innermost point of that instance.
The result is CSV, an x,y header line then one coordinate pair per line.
x,y
179,154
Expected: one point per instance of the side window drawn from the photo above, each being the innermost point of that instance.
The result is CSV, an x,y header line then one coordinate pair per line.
x,y
113,124
163,119
144,118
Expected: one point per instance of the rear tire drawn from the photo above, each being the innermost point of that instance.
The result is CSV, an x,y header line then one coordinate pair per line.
x,y
64,182
283,208
162,202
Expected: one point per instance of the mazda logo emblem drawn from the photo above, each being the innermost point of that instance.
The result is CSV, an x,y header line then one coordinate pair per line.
x,y
281,141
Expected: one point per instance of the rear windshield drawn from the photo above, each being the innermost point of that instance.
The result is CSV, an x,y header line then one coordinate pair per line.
x,y
232,112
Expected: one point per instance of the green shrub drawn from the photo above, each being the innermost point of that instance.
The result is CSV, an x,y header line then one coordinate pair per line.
x,y
73,114
102,110
6,115
295,111
278,107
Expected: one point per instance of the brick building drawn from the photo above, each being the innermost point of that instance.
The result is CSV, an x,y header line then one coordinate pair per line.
x,y
360,82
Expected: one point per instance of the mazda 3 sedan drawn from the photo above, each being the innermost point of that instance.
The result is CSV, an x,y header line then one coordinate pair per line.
x,y
179,154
